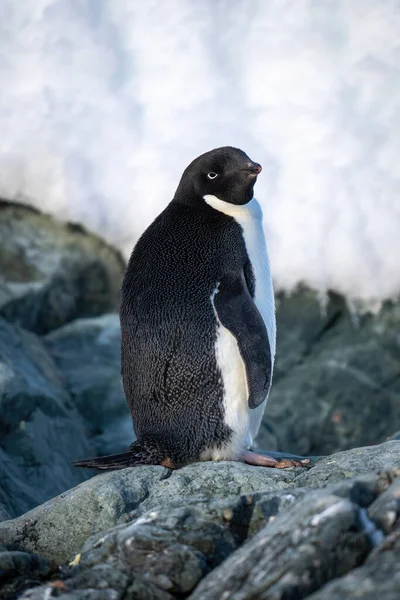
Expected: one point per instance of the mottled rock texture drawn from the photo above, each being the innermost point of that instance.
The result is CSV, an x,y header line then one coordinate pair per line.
x,y
58,528
284,541
51,272
337,377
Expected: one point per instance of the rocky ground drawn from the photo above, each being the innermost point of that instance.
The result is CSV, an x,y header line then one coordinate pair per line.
x,y
215,530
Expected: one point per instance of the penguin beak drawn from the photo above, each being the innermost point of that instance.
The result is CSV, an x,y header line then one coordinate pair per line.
x,y
253,169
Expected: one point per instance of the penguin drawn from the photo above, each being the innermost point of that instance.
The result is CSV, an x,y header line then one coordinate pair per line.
x,y
198,322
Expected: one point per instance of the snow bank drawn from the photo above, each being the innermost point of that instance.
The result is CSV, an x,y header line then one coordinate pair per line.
x,y
104,102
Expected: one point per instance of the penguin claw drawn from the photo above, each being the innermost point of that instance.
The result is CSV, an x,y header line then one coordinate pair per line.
x,y
287,463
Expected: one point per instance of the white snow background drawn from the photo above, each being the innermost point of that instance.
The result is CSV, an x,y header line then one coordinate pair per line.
x,y
103,103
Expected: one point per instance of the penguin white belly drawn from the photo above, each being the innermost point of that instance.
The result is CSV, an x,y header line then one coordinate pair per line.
x,y
235,397
243,421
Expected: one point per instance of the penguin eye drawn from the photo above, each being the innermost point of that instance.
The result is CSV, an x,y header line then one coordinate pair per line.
x,y
212,175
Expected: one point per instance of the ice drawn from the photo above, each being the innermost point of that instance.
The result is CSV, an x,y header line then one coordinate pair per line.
x,y
103,103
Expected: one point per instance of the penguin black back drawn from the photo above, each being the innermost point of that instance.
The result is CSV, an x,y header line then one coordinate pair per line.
x,y
188,273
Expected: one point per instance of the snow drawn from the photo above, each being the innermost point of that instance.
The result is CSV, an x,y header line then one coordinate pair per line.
x,y
103,103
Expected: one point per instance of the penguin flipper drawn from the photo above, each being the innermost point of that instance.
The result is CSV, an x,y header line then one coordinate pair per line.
x,y
139,453
237,312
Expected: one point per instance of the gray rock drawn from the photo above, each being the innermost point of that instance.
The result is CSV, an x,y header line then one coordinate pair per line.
x,y
19,570
319,538
379,577
40,431
349,464
302,320
5,509
52,273
120,496
106,579
385,511
214,528
167,551
58,528
211,480
337,380
87,353
16,496
103,583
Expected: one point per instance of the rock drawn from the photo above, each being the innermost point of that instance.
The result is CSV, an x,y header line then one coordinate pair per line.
x,y
40,431
174,547
385,511
214,528
168,550
104,583
19,570
121,496
6,511
106,580
87,353
16,496
321,537
349,464
302,319
93,506
337,377
52,273
379,577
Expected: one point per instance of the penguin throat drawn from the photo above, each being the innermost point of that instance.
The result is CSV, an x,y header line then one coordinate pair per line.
x,y
252,209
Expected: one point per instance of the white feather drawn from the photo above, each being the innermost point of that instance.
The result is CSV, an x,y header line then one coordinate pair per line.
x,y
243,421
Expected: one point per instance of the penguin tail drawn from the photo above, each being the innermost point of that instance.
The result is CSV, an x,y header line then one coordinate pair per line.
x,y
139,453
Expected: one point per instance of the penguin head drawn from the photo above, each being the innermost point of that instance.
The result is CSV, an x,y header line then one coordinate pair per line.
x,y
225,173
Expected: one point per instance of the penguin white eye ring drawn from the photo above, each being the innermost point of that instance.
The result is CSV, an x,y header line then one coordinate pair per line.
x,y
212,175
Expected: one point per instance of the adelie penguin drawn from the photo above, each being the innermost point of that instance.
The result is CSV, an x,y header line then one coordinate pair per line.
x,y
198,322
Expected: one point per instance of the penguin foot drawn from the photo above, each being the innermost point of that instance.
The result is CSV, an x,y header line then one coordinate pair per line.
x,y
263,460
259,460
287,463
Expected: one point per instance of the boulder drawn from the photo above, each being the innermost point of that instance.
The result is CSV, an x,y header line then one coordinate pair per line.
x,y
87,353
319,538
379,577
40,430
277,544
51,272
19,570
385,511
337,379
58,528
118,497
